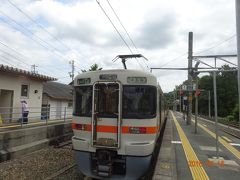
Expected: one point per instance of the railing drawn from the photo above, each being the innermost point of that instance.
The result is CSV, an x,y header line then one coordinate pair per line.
x,y
37,115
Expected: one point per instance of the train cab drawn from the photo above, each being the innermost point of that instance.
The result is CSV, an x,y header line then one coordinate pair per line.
x,y
117,118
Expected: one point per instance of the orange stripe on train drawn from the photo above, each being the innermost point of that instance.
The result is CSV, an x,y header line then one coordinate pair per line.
x,y
113,129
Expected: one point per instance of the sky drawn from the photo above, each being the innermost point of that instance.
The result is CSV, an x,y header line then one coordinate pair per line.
x,y
50,33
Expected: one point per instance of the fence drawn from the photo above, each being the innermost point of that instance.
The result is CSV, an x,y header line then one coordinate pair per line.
x,y
14,115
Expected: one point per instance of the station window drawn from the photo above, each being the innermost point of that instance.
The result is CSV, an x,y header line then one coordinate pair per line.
x,y
24,90
70,104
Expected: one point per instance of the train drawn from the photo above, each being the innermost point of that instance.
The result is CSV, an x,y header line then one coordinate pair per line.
x,y
117,118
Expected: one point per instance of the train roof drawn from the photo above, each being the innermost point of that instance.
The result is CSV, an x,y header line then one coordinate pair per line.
x,y
118,71
121,74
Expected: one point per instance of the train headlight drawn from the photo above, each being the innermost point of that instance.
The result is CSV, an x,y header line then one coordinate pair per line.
x,y
83,127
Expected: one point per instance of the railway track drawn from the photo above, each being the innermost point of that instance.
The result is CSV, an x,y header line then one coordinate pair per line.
x,y
67,169
229,128
232,134
61,171
232,124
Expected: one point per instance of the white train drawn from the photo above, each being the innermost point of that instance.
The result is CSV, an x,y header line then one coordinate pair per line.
x,y
117,118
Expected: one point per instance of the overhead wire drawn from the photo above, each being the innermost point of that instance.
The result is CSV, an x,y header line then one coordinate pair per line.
x,y
48,44
7,62
39,25
44,46
115,28
17,59
122,25
125,30
174,59
218,44
24,57
3,58
26,30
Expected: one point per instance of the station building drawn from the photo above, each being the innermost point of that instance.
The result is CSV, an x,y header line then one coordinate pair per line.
x,y
16,85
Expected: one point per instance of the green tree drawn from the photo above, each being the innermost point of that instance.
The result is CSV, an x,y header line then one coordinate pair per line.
x,y
93,67
205,84
226,92
236,113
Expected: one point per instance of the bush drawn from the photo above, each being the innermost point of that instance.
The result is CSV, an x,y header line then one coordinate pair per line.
x,y
230,117
236,112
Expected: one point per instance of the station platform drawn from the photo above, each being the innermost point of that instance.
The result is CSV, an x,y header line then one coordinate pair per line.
x,y
186,155
32,123
17,140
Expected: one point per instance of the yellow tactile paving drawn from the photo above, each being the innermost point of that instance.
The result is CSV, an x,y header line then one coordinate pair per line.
x,y
222,141
224,137
198,172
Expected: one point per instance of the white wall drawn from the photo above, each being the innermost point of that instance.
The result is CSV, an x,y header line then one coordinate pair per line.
x,y
57,107
34,100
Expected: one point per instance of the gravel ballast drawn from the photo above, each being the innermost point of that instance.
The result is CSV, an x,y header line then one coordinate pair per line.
x,y
38,165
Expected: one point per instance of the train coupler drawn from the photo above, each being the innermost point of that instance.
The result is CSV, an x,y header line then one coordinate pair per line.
x,y
104,164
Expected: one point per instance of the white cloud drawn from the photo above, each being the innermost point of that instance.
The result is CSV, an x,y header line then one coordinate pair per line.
x,y
158,28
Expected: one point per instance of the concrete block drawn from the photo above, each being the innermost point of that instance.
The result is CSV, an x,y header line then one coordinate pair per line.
x,y
22,141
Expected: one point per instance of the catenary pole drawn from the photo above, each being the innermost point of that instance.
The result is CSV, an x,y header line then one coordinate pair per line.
x,y
209,104
190,57
180,99
215,112
196,106
238,52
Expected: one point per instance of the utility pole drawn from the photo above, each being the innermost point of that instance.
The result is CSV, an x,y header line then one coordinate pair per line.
x,y
180,99
196,94
73,69
209,104
238,52
196,106
190,47
215,112
174,100
33,69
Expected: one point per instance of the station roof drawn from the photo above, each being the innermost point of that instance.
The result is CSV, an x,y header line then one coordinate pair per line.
x,y
18,72
57,90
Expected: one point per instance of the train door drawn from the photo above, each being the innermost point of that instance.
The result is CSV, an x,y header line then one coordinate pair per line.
x,y
106,114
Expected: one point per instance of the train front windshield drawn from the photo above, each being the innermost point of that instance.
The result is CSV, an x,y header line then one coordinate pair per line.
x,y
138,102
83,101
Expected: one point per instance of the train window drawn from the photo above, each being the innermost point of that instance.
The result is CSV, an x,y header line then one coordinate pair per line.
x,y
83,101
139,102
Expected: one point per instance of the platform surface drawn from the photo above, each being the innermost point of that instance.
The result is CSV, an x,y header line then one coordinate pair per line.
x,y
186,155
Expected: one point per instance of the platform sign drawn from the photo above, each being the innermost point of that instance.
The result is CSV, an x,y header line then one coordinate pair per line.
x,y
184,87
189,87
194,87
